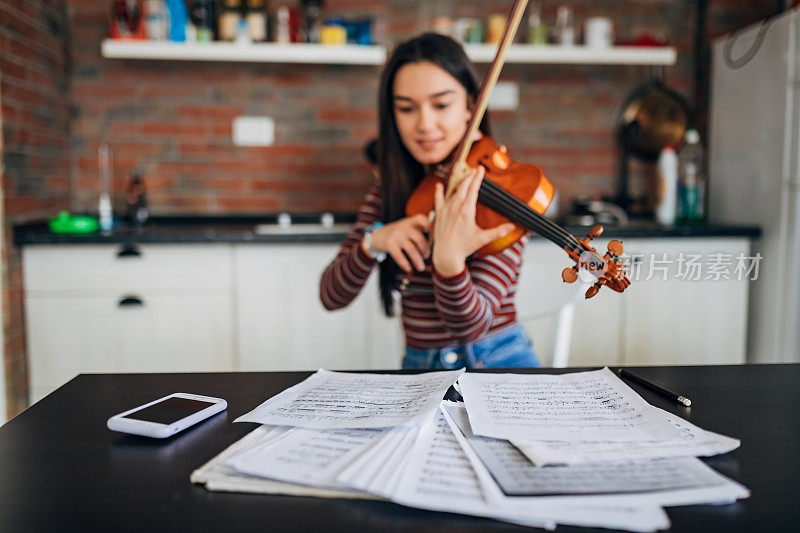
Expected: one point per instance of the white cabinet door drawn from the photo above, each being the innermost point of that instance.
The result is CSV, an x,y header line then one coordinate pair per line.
x,y
71,269
596,338
68,336
677,321
281,322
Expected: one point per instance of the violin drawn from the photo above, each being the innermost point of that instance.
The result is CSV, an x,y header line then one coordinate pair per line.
x,y
516,192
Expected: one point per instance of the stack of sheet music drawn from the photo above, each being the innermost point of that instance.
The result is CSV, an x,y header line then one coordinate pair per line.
x,y
540,450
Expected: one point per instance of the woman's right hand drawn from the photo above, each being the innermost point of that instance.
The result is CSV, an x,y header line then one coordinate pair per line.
x,y
403,239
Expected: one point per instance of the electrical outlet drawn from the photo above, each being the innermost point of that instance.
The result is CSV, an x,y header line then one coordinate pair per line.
x,y
504,97
253,131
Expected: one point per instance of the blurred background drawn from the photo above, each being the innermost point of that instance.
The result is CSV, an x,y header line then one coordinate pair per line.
x,y
184,130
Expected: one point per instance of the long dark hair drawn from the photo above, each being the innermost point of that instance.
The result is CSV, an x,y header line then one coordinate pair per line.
x,y
400,173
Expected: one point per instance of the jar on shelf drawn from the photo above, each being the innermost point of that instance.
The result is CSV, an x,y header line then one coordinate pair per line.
x,y
495,27
256,17
230,14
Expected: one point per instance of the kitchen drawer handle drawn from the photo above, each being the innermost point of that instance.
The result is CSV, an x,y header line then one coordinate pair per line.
x,y
130,301
129,250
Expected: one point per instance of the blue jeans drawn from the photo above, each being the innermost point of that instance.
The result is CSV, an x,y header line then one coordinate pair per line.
x,y
507,349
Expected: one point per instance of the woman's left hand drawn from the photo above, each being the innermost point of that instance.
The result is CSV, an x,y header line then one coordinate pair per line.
x,y
456,236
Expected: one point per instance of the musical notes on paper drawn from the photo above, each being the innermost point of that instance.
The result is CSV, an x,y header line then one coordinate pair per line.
x,y
693,442
593,405
337,400
517,476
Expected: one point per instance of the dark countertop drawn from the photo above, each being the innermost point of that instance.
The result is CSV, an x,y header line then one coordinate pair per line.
x,y
61,469
307,229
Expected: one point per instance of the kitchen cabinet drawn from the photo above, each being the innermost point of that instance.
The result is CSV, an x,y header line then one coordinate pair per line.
x,y
111,308
255,307
661,318
686,321
282,325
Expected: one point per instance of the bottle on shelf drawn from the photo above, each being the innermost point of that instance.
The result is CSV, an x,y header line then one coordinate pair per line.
x,y
282,28
178,19
692,182
201,14
537,31
667,197
565,26
312,19
136,200
243,33
104,166
127,21
287,25
156,21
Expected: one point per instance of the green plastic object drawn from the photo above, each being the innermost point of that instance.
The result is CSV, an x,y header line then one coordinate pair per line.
x,y
65,222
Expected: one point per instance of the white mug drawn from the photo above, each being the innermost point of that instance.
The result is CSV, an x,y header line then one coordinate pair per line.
x,y
599,32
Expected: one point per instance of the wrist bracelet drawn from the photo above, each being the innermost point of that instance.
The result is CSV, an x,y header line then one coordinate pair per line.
x,y
378,256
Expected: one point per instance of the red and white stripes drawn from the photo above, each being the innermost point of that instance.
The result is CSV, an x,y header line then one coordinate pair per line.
x,y
436,311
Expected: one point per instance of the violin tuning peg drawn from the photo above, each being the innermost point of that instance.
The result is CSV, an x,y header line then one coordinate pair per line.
x,y
591,291
615,248
569,274
595,232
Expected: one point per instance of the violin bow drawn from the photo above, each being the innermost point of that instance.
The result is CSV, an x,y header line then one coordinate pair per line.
x,y
460,170
607,268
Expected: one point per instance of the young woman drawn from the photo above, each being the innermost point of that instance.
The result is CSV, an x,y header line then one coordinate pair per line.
x,y
457,309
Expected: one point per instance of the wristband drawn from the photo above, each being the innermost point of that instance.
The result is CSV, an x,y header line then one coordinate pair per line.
x,y
378,256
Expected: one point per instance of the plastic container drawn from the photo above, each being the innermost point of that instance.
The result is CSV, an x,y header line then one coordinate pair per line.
x,y
667,204
692,181
65,223
178,18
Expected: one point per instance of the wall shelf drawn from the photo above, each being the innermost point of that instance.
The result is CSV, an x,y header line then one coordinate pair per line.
x,y
257,52
376,55
554,54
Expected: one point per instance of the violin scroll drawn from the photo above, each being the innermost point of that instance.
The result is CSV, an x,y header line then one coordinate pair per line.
x,y
609,270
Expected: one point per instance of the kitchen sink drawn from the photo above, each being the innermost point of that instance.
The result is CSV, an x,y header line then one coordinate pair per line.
x,y
300,229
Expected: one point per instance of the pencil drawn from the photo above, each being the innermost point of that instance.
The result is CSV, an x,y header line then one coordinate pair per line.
x,y
655,388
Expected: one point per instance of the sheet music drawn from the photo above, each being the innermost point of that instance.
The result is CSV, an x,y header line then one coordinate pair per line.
x,y
517,476
336,400
588,406
693,442
216,475
377,470
727,491
439,477
306,456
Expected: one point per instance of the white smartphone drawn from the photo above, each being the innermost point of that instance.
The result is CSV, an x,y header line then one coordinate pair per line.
x,y
167,416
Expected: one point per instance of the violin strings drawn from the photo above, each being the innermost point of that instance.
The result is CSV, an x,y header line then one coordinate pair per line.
x,y
544,226
533,216
504,204
521,216
523,209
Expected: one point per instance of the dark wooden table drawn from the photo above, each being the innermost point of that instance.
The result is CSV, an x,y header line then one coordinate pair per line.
x,y
62,470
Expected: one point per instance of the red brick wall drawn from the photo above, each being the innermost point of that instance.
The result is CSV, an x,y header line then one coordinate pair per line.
x,y
34,102
173,119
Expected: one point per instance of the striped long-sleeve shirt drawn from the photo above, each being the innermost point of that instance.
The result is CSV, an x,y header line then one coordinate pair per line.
x,y
437,311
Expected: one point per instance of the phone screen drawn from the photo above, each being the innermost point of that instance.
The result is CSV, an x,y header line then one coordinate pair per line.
x,y
169,411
